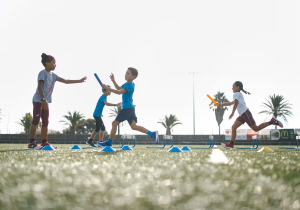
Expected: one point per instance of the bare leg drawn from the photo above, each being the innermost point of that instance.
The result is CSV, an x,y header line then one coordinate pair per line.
x,y
234,128
260,127
101,135
93,135
113,129
32,131
135,127
44,132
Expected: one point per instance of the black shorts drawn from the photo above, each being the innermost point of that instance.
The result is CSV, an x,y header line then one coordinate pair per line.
x,y
99,124
127,114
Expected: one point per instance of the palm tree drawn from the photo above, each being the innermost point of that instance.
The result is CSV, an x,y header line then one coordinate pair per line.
x,y
169,122
278,107
114,113
26,122
73,120
219,110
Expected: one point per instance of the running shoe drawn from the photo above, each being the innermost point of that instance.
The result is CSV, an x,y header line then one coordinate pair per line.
x,y
155,137
103,144
46,143
229,145
274,121
90,143
33,146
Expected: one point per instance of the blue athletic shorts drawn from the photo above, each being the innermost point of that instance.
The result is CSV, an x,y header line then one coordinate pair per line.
x,y
127,114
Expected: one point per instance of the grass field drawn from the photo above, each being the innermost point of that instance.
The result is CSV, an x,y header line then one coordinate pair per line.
x,y
147,179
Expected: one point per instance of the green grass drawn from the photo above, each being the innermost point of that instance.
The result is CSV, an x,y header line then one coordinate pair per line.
x,y
147,179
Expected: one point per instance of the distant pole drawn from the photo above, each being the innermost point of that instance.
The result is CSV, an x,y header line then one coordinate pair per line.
x,y
193,102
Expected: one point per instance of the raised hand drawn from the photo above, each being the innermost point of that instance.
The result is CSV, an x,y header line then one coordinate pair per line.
x,y
112,77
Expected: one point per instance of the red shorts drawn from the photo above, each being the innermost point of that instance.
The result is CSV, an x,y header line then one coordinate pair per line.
x,y
39,113
246,117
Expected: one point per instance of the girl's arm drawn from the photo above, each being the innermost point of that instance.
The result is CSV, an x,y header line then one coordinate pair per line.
x,y
112,77
110,104
40,89
118,92
228,103
71,81
236,102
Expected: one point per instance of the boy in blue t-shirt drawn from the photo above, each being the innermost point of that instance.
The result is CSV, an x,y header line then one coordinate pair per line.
x,y
128,111
97,116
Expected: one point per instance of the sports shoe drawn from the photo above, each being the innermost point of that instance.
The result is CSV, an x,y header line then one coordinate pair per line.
x,y
46,143
90,143
274,121
155,137
103,144
229,145
33,146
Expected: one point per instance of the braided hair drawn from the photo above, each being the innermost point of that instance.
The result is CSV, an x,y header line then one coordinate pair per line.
x,y
240,85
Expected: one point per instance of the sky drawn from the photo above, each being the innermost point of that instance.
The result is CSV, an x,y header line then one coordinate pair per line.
x,y
256,42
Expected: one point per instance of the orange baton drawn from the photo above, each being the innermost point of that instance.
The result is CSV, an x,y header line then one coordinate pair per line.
x,y
213,100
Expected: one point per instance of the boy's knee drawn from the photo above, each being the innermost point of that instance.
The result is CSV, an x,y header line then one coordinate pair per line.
x,y
115,123
133,127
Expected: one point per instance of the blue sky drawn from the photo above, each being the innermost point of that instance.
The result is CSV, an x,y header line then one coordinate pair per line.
x,y
255,42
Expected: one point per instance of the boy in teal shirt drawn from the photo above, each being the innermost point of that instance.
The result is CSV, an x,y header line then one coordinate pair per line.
x,y
128,109
97,116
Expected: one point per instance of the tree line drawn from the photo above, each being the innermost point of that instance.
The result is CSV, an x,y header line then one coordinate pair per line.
x,y
275,105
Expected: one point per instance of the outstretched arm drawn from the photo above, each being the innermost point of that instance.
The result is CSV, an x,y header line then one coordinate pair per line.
x,y
71,81
228,103
236,102
110,104
118,92
112,77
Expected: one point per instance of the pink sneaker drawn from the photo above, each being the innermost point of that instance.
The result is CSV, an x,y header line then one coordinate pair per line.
x,y
33,146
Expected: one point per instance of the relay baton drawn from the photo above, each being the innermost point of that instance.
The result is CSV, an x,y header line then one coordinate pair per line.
x,y
98,80
213,101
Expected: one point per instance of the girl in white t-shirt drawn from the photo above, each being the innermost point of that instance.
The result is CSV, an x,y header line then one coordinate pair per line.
x,y
245,114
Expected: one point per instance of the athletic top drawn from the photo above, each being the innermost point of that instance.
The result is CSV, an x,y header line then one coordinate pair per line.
x,y
241,107
48,86
100,105
127,101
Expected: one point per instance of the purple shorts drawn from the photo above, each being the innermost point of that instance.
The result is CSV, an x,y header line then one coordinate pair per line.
x,y
39,113
247,117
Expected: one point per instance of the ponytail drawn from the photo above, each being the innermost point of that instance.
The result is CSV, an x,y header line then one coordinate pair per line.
x,y
246,92
240,85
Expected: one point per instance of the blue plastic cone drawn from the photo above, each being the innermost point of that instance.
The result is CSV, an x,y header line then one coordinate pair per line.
x,y
108,149
186,149
76,147
175,149
128,148
48,147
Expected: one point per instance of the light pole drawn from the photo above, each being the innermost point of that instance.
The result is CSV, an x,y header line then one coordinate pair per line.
x,y
193,101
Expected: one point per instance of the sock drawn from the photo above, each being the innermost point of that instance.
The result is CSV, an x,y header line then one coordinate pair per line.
x,y
231,142
32,140
271,122
90,139
150,133
109,141
44,141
